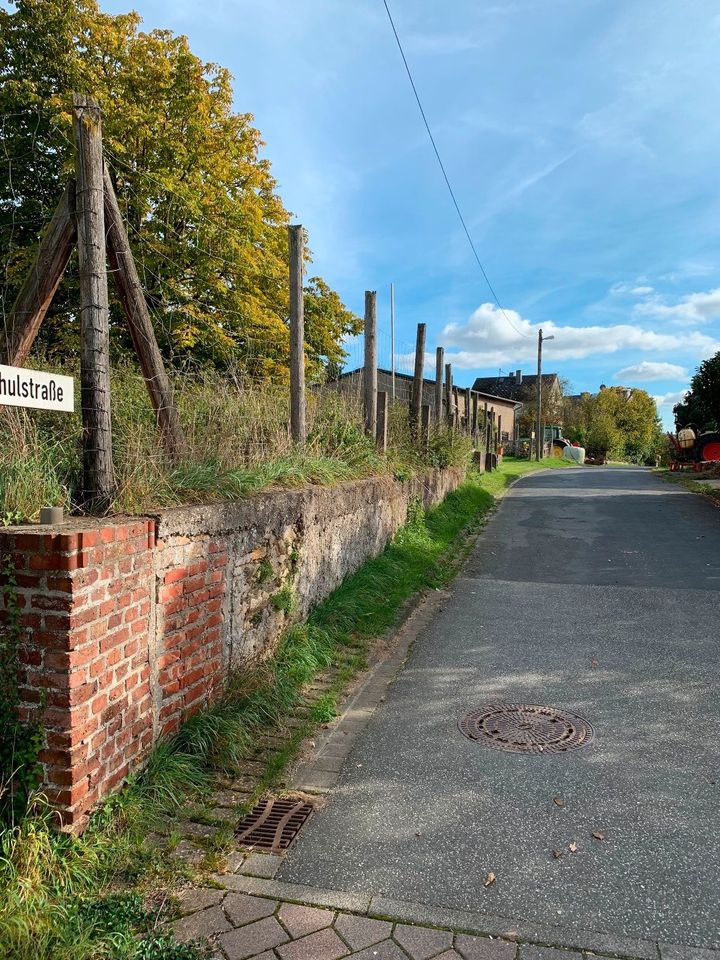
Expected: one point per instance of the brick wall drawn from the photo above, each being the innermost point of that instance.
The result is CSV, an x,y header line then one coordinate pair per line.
x,y
85,601
131,625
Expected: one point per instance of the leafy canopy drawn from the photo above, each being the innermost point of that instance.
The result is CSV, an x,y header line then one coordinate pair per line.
x,y
619,422
701,404
204,218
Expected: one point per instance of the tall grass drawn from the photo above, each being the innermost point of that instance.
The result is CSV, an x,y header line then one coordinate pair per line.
x,y
238,443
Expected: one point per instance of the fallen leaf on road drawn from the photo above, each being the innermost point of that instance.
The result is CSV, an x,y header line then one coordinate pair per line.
x,y
598,835
490,880
558,801
594,663
573,848
557,854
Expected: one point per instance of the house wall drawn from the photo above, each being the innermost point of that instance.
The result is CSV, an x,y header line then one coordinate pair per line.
x,y
131,625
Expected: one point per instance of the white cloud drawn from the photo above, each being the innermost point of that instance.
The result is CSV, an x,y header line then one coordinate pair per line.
x,y
629,288
488,339
692,309
668,400
651,370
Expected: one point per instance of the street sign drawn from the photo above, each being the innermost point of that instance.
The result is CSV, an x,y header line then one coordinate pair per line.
x,y
20,387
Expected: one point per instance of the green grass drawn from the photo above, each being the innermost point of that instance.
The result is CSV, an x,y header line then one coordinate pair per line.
x,y
53,887
251,448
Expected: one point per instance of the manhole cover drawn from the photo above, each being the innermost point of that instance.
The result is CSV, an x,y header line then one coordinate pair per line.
x,y
273,823
526,728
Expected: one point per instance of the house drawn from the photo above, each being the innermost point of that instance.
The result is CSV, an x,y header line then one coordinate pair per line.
x,y
521,387
523,390
504,408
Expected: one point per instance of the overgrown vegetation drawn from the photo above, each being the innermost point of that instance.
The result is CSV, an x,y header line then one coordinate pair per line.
x,y
238,440
57,892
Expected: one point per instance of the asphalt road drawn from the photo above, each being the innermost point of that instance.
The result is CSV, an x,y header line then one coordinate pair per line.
x,y
596,591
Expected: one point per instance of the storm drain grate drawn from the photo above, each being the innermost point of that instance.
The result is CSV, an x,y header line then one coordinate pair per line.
x,y
526,728
273,823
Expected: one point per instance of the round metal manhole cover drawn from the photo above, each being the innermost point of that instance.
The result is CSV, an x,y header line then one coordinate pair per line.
x,y
526,728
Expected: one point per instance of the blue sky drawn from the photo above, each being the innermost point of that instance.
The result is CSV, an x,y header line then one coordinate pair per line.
x,y
582,138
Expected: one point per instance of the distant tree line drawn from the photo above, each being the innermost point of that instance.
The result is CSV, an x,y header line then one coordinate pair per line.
x,y
203,213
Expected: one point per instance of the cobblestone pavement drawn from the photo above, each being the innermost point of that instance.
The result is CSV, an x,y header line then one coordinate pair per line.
x,y
249,915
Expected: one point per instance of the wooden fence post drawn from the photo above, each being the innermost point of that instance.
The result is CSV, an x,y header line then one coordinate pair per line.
x,y
474,428
370,384
439,363
98,483
499,431
425,425
132,297
486,438
467,410
449,411
41,282
417,387
297,334
382,421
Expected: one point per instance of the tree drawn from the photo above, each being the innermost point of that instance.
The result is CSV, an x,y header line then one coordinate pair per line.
x,y
616,422
203,214
701,404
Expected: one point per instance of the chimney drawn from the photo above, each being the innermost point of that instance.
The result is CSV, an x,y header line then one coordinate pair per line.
x,y
518,376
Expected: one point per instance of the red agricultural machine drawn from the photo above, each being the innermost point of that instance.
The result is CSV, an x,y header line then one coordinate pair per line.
x,y
690,448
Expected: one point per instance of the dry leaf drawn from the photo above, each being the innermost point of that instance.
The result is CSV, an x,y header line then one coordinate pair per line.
x,y
594,663
557,854
490,880
573,848
558,801
598,835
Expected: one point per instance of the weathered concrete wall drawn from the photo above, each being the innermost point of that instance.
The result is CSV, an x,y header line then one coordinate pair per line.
x,y
130,626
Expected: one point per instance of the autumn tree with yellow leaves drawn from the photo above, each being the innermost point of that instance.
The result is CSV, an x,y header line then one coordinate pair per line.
x,y
204,218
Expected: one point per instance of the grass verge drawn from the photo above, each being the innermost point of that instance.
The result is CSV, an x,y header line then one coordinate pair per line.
x,y
87,898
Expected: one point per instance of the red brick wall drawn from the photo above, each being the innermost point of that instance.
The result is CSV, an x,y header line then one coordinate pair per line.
x,y
190,663
85,599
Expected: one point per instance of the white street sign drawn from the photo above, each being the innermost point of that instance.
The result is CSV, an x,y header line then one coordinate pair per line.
x,y
34,388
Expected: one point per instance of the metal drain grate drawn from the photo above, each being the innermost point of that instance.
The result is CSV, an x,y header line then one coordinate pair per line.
x,y
526,728
273,824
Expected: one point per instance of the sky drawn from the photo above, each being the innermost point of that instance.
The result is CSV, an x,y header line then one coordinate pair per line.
x,y
580,136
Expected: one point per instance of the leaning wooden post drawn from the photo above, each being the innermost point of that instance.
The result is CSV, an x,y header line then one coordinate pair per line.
x,y
439,363
417,387
370,379
132,297
297,334
39,286
425,425
382,421
98,483
449,394
474,428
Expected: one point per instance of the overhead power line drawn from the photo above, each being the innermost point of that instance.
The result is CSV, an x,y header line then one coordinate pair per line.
x,y
445,176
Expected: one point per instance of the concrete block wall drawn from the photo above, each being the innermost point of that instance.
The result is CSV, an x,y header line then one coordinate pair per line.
x,y
130,625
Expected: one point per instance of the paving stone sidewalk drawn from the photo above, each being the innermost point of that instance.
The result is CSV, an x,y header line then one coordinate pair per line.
x,y
243,926
249,915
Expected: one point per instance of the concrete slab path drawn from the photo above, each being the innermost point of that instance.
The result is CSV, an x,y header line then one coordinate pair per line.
x,y
594,590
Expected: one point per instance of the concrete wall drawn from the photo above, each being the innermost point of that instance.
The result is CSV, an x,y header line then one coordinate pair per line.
x,y
131,625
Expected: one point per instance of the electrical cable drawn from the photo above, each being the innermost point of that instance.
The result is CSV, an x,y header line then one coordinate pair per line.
x,y
447,179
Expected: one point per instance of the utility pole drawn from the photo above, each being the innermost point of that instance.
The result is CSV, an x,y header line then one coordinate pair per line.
x,y
392,339
539,438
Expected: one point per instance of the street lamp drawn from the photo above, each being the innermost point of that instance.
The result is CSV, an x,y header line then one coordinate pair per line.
x,y
540,437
